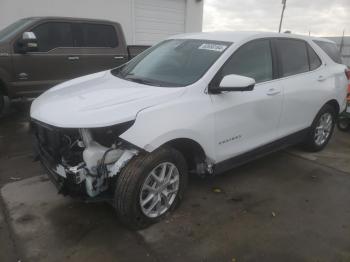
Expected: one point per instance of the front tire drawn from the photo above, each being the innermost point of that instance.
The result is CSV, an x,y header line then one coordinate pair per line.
x,y
321,129
5,103
2,104
149,187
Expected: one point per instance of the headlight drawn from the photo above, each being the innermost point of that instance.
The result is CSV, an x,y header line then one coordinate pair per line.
x,y
106,136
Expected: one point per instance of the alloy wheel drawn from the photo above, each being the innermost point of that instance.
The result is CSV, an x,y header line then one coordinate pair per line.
x,y
323,128
159,190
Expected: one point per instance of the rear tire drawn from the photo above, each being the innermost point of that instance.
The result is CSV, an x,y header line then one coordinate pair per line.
x,y
137,183
321,129
343,124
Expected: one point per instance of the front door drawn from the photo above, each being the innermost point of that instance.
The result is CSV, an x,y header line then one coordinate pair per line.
x,y
249,119
54,62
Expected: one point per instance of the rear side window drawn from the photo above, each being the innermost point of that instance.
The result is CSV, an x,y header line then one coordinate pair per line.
x,y
97,35
331,50
293,56
253,60
314,60
52,35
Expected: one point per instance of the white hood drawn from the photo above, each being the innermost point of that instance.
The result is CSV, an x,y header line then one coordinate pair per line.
x,y
97,100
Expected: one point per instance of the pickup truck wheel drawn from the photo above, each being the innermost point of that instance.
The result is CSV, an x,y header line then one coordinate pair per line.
x,y
149,187
321,129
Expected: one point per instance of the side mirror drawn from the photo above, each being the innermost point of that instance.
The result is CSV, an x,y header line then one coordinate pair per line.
x,y
233,83
28,43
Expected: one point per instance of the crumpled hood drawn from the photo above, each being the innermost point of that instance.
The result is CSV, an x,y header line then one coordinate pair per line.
x,y
97,100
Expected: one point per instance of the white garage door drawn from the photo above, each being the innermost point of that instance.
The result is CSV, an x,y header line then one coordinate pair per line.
x,y
158,19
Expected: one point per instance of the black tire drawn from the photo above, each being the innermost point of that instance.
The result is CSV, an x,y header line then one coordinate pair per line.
x,y
343,124
2,104
310,143
130,181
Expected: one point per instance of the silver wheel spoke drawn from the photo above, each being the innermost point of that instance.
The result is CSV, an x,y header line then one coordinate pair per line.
x,y
169,174
174,180
148,198
159,190
323,129
166,201
156,178
162,174
153,205
149,188
171,191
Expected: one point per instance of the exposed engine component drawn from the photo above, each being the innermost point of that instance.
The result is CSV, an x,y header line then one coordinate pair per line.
x,y
94,153
102,163
77,158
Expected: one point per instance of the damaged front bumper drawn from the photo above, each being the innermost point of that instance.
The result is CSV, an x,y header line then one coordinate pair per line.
x,y
78,165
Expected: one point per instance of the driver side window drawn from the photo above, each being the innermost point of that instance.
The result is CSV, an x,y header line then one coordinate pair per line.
x,y
51,35
253,59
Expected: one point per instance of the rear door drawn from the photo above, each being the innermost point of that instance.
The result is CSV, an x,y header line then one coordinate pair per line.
x,y
304,80
247,120
100,46
51,64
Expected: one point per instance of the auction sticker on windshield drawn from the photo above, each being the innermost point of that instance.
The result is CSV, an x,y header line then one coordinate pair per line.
x,y
213,47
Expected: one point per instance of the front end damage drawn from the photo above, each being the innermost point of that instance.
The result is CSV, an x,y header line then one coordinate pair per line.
x,y
83,162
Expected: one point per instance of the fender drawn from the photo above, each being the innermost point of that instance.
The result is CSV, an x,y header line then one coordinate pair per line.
x,y
158,141
189,118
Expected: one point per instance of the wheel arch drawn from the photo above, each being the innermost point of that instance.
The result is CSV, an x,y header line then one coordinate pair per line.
x,y
334,103
192,151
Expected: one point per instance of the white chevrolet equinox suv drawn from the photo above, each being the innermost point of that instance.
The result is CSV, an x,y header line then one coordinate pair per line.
x,y
195,103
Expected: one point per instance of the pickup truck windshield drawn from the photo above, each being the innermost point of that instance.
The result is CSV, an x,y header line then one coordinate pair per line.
x,y
14,28
173,63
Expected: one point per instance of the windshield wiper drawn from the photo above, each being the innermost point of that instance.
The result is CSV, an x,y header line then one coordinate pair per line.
x,y
141,80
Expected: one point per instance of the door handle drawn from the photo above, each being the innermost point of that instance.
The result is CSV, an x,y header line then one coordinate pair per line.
x,y
118,57
321,78
273,92
73,58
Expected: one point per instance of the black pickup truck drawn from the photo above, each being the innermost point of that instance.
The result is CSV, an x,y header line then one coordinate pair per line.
x,y
37,53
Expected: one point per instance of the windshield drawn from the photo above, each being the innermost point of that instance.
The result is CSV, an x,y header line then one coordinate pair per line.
x,y
14,27
173,63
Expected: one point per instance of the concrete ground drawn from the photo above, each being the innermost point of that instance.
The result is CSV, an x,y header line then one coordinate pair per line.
x,y
288,206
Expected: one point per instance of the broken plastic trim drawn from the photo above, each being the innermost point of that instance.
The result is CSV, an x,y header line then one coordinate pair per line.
x,y
106,136
100,163
72,157
95,184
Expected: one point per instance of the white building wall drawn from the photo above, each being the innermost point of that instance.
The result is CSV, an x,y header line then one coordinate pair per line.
x,y
194,15
143,21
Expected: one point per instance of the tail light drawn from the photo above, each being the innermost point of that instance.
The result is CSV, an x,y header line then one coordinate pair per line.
x,y
347,73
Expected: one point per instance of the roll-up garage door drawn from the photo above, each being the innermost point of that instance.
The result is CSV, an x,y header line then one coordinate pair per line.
x,y
158,19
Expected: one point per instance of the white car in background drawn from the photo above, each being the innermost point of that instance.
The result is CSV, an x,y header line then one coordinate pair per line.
x,y
201,103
